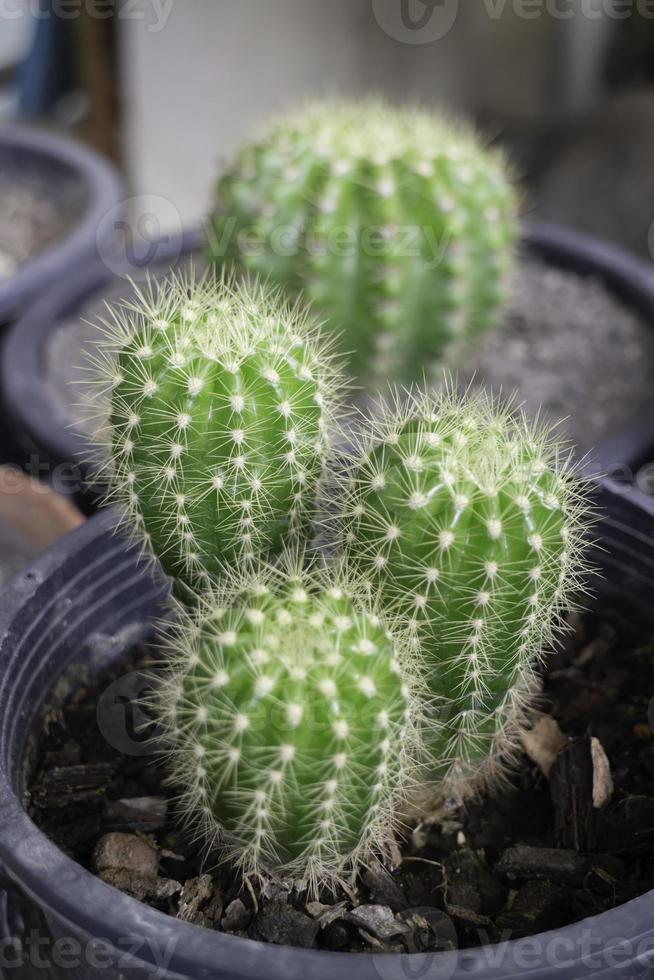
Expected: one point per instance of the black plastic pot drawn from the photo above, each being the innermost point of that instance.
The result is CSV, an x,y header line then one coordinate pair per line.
x,y
29,407
632,280
87,603
52,159
40,431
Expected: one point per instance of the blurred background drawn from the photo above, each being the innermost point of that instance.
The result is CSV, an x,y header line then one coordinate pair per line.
x,y
167,88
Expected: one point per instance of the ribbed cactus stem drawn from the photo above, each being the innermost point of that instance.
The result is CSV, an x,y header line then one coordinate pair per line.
x,y
288,713
221,397
395,224
467,521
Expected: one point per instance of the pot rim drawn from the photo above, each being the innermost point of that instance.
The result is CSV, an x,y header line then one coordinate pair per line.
x,y
106,190
84,901
626,275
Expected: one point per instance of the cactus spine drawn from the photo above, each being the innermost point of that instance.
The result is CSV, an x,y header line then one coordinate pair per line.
x,y
397,226
221,398
289,710
466,520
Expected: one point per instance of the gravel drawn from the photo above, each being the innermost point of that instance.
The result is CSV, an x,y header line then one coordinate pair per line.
x,y
571,348
38,206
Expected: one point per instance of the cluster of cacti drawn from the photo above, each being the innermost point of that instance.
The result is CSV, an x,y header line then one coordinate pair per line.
x,y
221,397
467,521
299,704
291,718
397,226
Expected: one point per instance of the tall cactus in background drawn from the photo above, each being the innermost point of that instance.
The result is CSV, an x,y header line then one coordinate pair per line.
x,y
221,396
467,521
396,225
288,722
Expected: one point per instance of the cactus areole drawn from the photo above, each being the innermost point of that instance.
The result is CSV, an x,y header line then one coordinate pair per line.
x,y
220,397
397,226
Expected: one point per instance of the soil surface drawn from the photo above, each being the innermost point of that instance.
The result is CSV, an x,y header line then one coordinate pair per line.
x,y
569,347
37,208
571,835
566,344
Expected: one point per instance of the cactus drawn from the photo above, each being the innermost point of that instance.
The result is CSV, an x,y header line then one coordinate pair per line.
x,y
397,226
287,723
221,398
467,521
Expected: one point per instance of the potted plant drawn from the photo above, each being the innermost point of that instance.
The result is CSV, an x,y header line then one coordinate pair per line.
x,y
57,199
457,529
575,304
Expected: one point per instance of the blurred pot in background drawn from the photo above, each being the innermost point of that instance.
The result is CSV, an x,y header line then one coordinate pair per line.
x,y
32,518
55,198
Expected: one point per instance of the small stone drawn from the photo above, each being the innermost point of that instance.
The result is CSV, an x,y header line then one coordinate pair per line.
x,y
283,925
140,886
195,893
128,852
378,920
383,889
237,917
325,914
542,862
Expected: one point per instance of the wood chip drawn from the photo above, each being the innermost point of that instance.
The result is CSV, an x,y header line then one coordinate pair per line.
x,y
602,779
543,743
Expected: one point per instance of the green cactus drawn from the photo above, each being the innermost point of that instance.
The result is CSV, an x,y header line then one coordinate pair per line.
x,y
396,225
221,398
467,521
287,720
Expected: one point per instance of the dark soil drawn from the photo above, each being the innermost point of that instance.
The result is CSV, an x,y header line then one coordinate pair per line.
x,y
543,852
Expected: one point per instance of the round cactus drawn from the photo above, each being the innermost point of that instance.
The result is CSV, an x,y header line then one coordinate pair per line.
x,y
467,521
221,397
288,721
396,225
